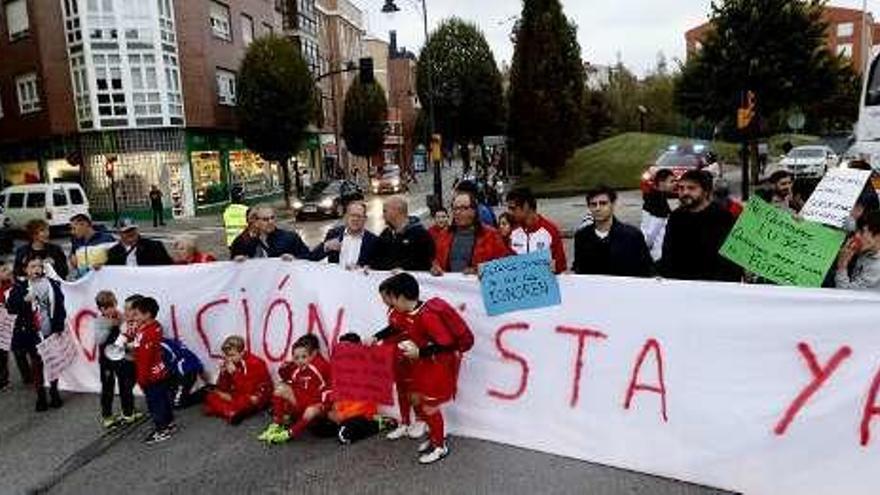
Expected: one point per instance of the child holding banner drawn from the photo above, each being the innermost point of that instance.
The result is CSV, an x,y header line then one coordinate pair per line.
x,y
244,386
38,303
437,338
303,394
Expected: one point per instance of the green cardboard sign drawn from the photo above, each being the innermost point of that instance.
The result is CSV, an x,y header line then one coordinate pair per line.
x,y
767,241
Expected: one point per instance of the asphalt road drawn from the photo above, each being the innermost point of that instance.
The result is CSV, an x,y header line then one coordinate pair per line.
x,y
66,451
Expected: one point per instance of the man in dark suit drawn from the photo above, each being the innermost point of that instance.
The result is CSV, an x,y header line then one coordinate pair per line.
x,y
265,240
350,245
134,250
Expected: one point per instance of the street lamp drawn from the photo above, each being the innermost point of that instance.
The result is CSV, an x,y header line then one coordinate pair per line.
x,y
391,7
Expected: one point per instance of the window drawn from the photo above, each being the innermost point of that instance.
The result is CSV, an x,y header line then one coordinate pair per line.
x,y
28,96
16,200
36,199
59,198
845,49
268,30
76,197
220,21
845,30
225,87
247,30
2,200
17,24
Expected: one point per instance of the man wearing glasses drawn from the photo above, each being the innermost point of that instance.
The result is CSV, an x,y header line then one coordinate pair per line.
x,y
351,245
263,239
469,242
608,246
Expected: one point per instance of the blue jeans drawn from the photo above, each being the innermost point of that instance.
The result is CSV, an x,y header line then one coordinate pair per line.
x,y
159,404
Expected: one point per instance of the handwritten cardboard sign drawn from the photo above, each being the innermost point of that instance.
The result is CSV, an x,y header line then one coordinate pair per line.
x,y
519,282
769,242
363,373
58,352
7,325
835,196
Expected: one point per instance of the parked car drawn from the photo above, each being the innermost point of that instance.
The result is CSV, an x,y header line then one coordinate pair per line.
x,y
54,203
809,161
680,158
327,199
6,235
388,181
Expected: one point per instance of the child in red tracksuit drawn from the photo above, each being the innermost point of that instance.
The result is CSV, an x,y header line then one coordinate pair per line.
x,y
150,370
303,394
433,349
244,386
393,335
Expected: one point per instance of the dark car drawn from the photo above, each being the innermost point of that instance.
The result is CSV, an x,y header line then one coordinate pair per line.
x,y
327,199
680,159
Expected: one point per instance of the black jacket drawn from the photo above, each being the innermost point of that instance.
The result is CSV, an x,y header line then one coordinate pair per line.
x,y
368,247
412,249
150,252
622,253
692,243
278,243
25,334
51,251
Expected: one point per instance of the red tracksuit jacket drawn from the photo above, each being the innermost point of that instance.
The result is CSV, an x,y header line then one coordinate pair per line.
x,y
251,378
311,383
149,366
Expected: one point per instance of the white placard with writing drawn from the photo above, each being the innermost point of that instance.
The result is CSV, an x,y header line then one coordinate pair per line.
x,y
834,197
58,352
7,325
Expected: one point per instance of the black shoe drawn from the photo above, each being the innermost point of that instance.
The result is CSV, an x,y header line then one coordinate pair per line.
x,y
42,405
55,402
158,436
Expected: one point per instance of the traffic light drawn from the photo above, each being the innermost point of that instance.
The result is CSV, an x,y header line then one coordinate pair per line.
x,y
366,71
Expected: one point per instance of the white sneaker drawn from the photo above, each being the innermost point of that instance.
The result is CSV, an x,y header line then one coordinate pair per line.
x,y
434,455
397,433
417,430
425,447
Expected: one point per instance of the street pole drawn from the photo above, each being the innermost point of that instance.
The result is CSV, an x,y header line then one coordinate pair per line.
x,y
438,179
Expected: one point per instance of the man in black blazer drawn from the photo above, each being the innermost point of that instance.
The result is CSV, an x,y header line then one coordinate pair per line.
x,y
134,250
350,245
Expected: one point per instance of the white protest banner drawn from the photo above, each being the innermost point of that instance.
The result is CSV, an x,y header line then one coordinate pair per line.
x,y
58,352
834,197
756,389
7,325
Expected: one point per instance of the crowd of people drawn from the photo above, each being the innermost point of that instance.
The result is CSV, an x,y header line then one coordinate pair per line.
x,y
428,336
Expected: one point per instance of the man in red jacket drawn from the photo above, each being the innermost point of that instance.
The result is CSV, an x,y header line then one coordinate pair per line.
x,y
244,386
150,371
469,242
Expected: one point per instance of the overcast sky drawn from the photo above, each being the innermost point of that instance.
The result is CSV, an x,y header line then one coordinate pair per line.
x,y
636,29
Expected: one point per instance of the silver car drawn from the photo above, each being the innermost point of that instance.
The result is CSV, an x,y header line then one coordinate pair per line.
x,y
809,161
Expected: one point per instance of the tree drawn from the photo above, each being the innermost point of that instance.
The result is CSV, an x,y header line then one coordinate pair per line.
x,y
772,47
467,85
363,123
275,102
597,116
546,86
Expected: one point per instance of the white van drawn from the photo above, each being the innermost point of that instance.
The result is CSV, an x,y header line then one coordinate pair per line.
x,y
54,203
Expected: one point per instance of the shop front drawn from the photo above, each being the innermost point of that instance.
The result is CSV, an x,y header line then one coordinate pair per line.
x,y
219,162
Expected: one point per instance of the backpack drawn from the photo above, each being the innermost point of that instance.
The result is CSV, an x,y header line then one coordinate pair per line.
x,y
464,337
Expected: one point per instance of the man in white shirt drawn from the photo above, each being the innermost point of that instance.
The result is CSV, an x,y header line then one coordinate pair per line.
x,y
350,245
